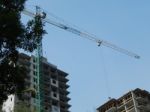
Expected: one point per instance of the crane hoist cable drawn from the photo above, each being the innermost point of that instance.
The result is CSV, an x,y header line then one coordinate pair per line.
x,y
105,74
82,34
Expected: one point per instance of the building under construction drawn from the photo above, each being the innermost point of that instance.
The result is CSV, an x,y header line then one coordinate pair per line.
x,y
134,101
50,94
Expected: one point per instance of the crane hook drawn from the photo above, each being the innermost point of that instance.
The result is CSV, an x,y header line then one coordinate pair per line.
x,y
99,42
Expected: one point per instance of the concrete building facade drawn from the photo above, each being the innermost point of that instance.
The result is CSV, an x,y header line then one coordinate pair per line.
x,y
53,96
134,101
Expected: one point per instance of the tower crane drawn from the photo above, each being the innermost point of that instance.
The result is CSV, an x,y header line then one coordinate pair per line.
x,y
84,35
74,31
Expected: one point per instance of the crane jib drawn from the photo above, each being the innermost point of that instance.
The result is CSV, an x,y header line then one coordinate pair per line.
x,y
84,34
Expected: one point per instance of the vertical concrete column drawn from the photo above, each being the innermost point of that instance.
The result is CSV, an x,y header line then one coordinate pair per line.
x,y
134,101
124,102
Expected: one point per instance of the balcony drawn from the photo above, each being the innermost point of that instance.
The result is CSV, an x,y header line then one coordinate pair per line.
x,y
62,79
63,91
63,85
64,97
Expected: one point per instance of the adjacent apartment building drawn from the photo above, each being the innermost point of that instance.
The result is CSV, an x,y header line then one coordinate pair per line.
x,y
53,88
134,101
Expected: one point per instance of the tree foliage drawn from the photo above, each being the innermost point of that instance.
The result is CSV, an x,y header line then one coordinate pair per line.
x,y
14,35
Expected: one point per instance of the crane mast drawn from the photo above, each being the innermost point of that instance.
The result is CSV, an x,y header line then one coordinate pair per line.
x,y
84,35
38,60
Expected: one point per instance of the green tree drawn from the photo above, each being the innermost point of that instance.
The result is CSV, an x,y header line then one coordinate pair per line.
x,y
14,35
